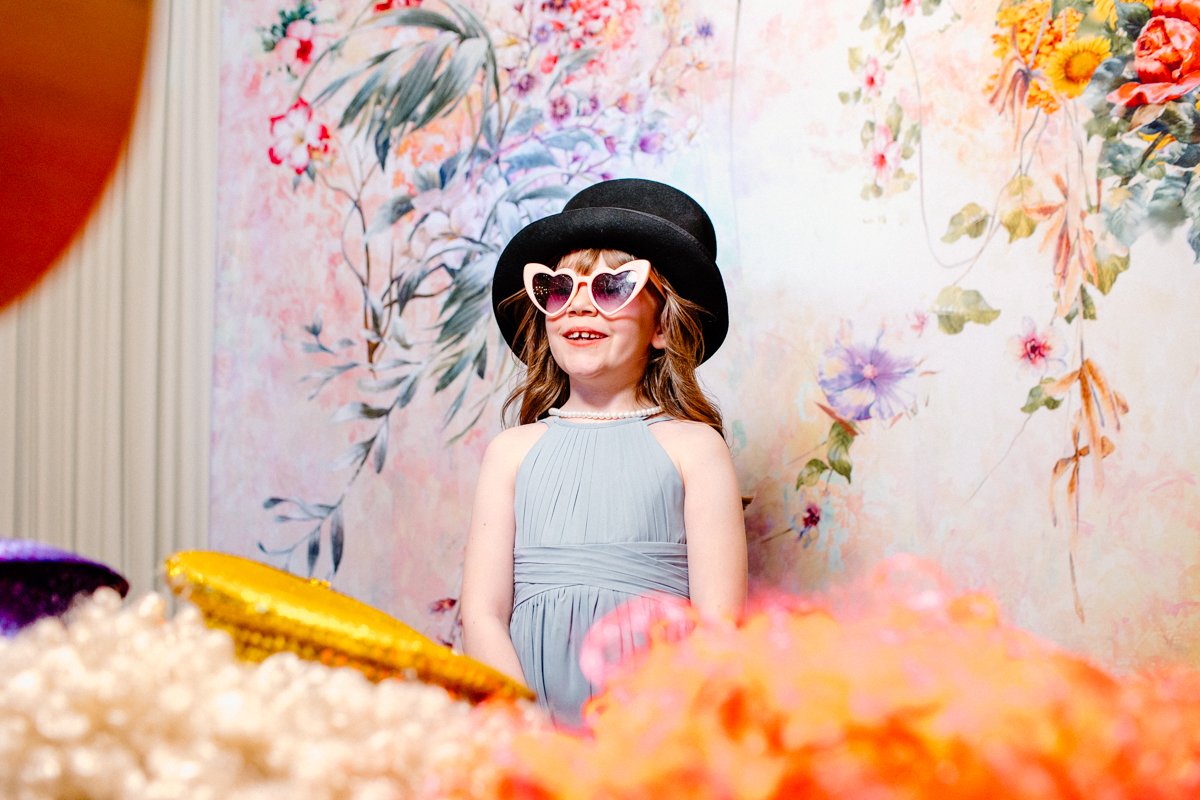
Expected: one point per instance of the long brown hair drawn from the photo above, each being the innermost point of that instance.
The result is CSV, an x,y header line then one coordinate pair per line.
x,y
670,377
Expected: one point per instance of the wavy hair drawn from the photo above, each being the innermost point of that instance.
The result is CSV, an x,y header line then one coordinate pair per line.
x,y
670,377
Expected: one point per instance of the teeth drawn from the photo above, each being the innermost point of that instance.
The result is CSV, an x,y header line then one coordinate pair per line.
x,y
584,335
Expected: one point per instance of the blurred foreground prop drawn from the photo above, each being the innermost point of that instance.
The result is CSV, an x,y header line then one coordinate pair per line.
x,y
268,611
69,77
37,580
898,687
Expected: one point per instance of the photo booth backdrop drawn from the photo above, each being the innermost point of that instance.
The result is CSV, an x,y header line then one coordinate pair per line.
x,y
957,240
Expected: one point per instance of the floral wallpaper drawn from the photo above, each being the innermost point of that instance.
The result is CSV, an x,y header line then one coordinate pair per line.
x,y
960,243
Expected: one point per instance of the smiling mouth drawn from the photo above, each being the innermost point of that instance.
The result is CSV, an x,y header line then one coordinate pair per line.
x,y
577,336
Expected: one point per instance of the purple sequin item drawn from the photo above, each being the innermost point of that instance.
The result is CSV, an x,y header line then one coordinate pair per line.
x,y
37,580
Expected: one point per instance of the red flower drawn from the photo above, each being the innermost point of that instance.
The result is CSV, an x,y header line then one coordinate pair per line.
x,y
388,5
547,65
297,43
443,605
1166,55
297,138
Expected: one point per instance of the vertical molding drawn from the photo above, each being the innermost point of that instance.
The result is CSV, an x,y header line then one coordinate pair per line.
x,y
105,370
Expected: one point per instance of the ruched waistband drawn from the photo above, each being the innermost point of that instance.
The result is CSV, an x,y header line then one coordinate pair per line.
x,y
631,567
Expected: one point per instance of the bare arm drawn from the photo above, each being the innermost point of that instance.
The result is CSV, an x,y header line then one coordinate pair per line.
x,y
487,592
712,516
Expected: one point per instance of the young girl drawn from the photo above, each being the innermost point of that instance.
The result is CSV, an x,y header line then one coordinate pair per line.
x,y
618,482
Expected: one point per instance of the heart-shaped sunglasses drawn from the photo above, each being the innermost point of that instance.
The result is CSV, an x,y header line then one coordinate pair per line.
x,y
610,289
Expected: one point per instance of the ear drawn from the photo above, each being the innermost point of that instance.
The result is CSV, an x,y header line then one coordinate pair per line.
x,y
659,340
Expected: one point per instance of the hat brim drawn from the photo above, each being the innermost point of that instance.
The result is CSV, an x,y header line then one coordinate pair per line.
x,y
673,252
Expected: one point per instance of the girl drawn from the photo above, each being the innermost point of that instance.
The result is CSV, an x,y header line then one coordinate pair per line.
x,y
617,483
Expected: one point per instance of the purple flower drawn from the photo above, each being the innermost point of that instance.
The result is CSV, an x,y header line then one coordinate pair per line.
x,y
542,33
652,143
590,107
704,29
864,381
610,144
555,5
560,108
524,84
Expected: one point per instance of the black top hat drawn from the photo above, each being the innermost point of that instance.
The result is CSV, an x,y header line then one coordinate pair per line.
x,y
646,219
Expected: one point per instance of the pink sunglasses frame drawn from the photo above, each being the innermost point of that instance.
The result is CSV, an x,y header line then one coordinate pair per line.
x,y
641,266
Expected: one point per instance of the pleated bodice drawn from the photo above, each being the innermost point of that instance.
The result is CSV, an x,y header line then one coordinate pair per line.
x,y
599,520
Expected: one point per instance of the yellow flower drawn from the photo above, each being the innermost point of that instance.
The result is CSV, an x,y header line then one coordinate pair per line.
x,y
1072,65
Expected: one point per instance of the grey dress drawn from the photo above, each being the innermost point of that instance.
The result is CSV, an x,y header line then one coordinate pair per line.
x,y
599,513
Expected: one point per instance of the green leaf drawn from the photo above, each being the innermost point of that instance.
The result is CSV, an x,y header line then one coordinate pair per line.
x,y
456,79
857,59
867,133
895,116
1085,302
389,214
1018,224
1166,204
415,18
844,97
1124,212
912,137
1131,18
356,452
811,473
1106,127
839,441
1108,269
871,191
971,221
955,307
555,191
1193,238
1191,200
1072,314
1108,76
929,6
1182,121
1119,159
355,411
894,38
1039,399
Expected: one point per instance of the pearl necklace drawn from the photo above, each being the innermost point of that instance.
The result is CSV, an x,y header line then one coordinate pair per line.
x,y
641,412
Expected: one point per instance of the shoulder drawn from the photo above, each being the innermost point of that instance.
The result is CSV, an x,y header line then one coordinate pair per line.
x,y
689,442
509,448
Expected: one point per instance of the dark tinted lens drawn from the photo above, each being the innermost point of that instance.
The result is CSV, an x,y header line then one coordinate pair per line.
x,y
610,291
552,292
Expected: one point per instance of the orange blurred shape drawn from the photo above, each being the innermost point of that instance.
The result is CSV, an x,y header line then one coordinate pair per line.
x,y
69,76
897,687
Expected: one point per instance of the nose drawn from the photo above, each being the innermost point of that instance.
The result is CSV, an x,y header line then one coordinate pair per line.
x,y
581,303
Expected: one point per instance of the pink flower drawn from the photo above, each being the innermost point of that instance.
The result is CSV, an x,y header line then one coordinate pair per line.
x,y
298,140
443,605
388,5
909,7
297,44
873,77
812,517
547,64
884,154
1038,353
560,108
652,143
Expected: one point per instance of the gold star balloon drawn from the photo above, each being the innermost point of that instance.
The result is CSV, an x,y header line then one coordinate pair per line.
x,y
268,611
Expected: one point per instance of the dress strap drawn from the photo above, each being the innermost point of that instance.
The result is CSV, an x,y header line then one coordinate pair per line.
x,y
636,568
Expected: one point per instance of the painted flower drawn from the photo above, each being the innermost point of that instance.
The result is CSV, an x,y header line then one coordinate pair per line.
x,y
873,77
297,44
909,7
866,381
388,5
1038,352
547,64
704,29
524,84
555,5
1071,67
443,605
1166,55
1037,43
591,106
629,103
812,517
560,108
652,143
298,139
885,154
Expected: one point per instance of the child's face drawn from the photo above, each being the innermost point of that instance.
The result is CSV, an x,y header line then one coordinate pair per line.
x,y
590,346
